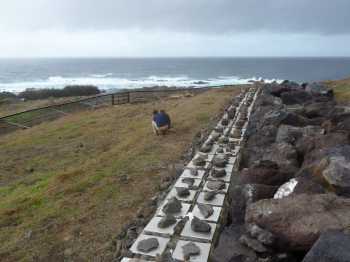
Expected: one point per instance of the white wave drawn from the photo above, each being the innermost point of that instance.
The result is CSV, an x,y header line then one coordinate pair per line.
x,y
107,82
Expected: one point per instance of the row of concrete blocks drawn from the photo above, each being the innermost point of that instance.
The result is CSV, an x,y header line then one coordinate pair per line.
x,y
176,236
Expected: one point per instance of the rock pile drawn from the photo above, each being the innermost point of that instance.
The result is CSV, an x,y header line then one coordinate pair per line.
x,y
291,201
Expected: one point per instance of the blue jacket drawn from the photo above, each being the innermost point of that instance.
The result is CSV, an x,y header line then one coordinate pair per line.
x,y
162,119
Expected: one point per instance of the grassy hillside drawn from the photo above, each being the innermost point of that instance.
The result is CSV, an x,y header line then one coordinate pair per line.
x,y
68,186
341,89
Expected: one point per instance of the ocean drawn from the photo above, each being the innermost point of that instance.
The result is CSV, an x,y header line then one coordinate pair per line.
x,y
118,73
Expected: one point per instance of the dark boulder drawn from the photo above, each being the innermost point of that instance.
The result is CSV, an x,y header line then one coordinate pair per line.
x,y
229,248
330,247
190,249
295,97
263,172
319,89
256,192
298,221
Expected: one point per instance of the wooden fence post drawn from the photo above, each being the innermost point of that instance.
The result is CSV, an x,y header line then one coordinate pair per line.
x,y
113,103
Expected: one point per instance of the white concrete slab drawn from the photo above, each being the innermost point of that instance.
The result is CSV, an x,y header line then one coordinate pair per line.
x,y
187,173
125,259
152,227
217,201
213,218
162,245
202,257
187,232
190,198
183,213
179,183
205,188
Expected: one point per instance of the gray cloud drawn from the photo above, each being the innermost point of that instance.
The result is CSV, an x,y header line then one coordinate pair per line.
x,y
194,16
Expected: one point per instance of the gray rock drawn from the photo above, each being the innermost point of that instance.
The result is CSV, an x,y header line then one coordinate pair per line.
x,y
225,122
209,196
147,245
167,221
173,206
199,161
229,249
188,180
218,173
253,244
260,234
298,221
206,148
190,249
219,129
200,226
220,150
206,210
182,191
216,185
236,134
215,136
330,247
193,171
337,174
224,140
219,162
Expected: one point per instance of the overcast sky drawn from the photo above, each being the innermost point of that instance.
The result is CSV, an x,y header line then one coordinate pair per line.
x,y
50,28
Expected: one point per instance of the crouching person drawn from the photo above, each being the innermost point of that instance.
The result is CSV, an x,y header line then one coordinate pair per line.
x,y
161,122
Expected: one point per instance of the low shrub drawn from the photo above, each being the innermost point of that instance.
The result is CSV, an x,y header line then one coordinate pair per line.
x,y
68,91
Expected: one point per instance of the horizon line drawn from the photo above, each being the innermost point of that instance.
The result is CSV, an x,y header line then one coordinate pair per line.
x,y
162,57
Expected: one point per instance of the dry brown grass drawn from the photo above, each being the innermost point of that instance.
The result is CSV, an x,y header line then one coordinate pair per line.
x,y
60,186
341,89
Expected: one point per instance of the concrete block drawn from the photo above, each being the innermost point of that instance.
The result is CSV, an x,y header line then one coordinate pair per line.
x,y
152,227
213,218
189,234
217,201
163,241
202,257
125,259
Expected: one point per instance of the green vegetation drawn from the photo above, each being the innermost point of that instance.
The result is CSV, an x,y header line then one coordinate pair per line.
x,y
341,89
70,185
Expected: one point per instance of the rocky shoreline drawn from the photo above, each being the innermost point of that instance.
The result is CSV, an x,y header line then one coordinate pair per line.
x,y
290,200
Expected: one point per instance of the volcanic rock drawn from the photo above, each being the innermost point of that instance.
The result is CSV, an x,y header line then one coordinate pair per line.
x,y
173,206
331,246
199,161
210,195
200,226
299,220
190,249
219,162
167,221
206,148
147,245
218,173
188,180
206,210
182,191
216,185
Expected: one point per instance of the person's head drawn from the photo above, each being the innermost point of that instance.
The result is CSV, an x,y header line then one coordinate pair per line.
x,y
155,112
162,111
